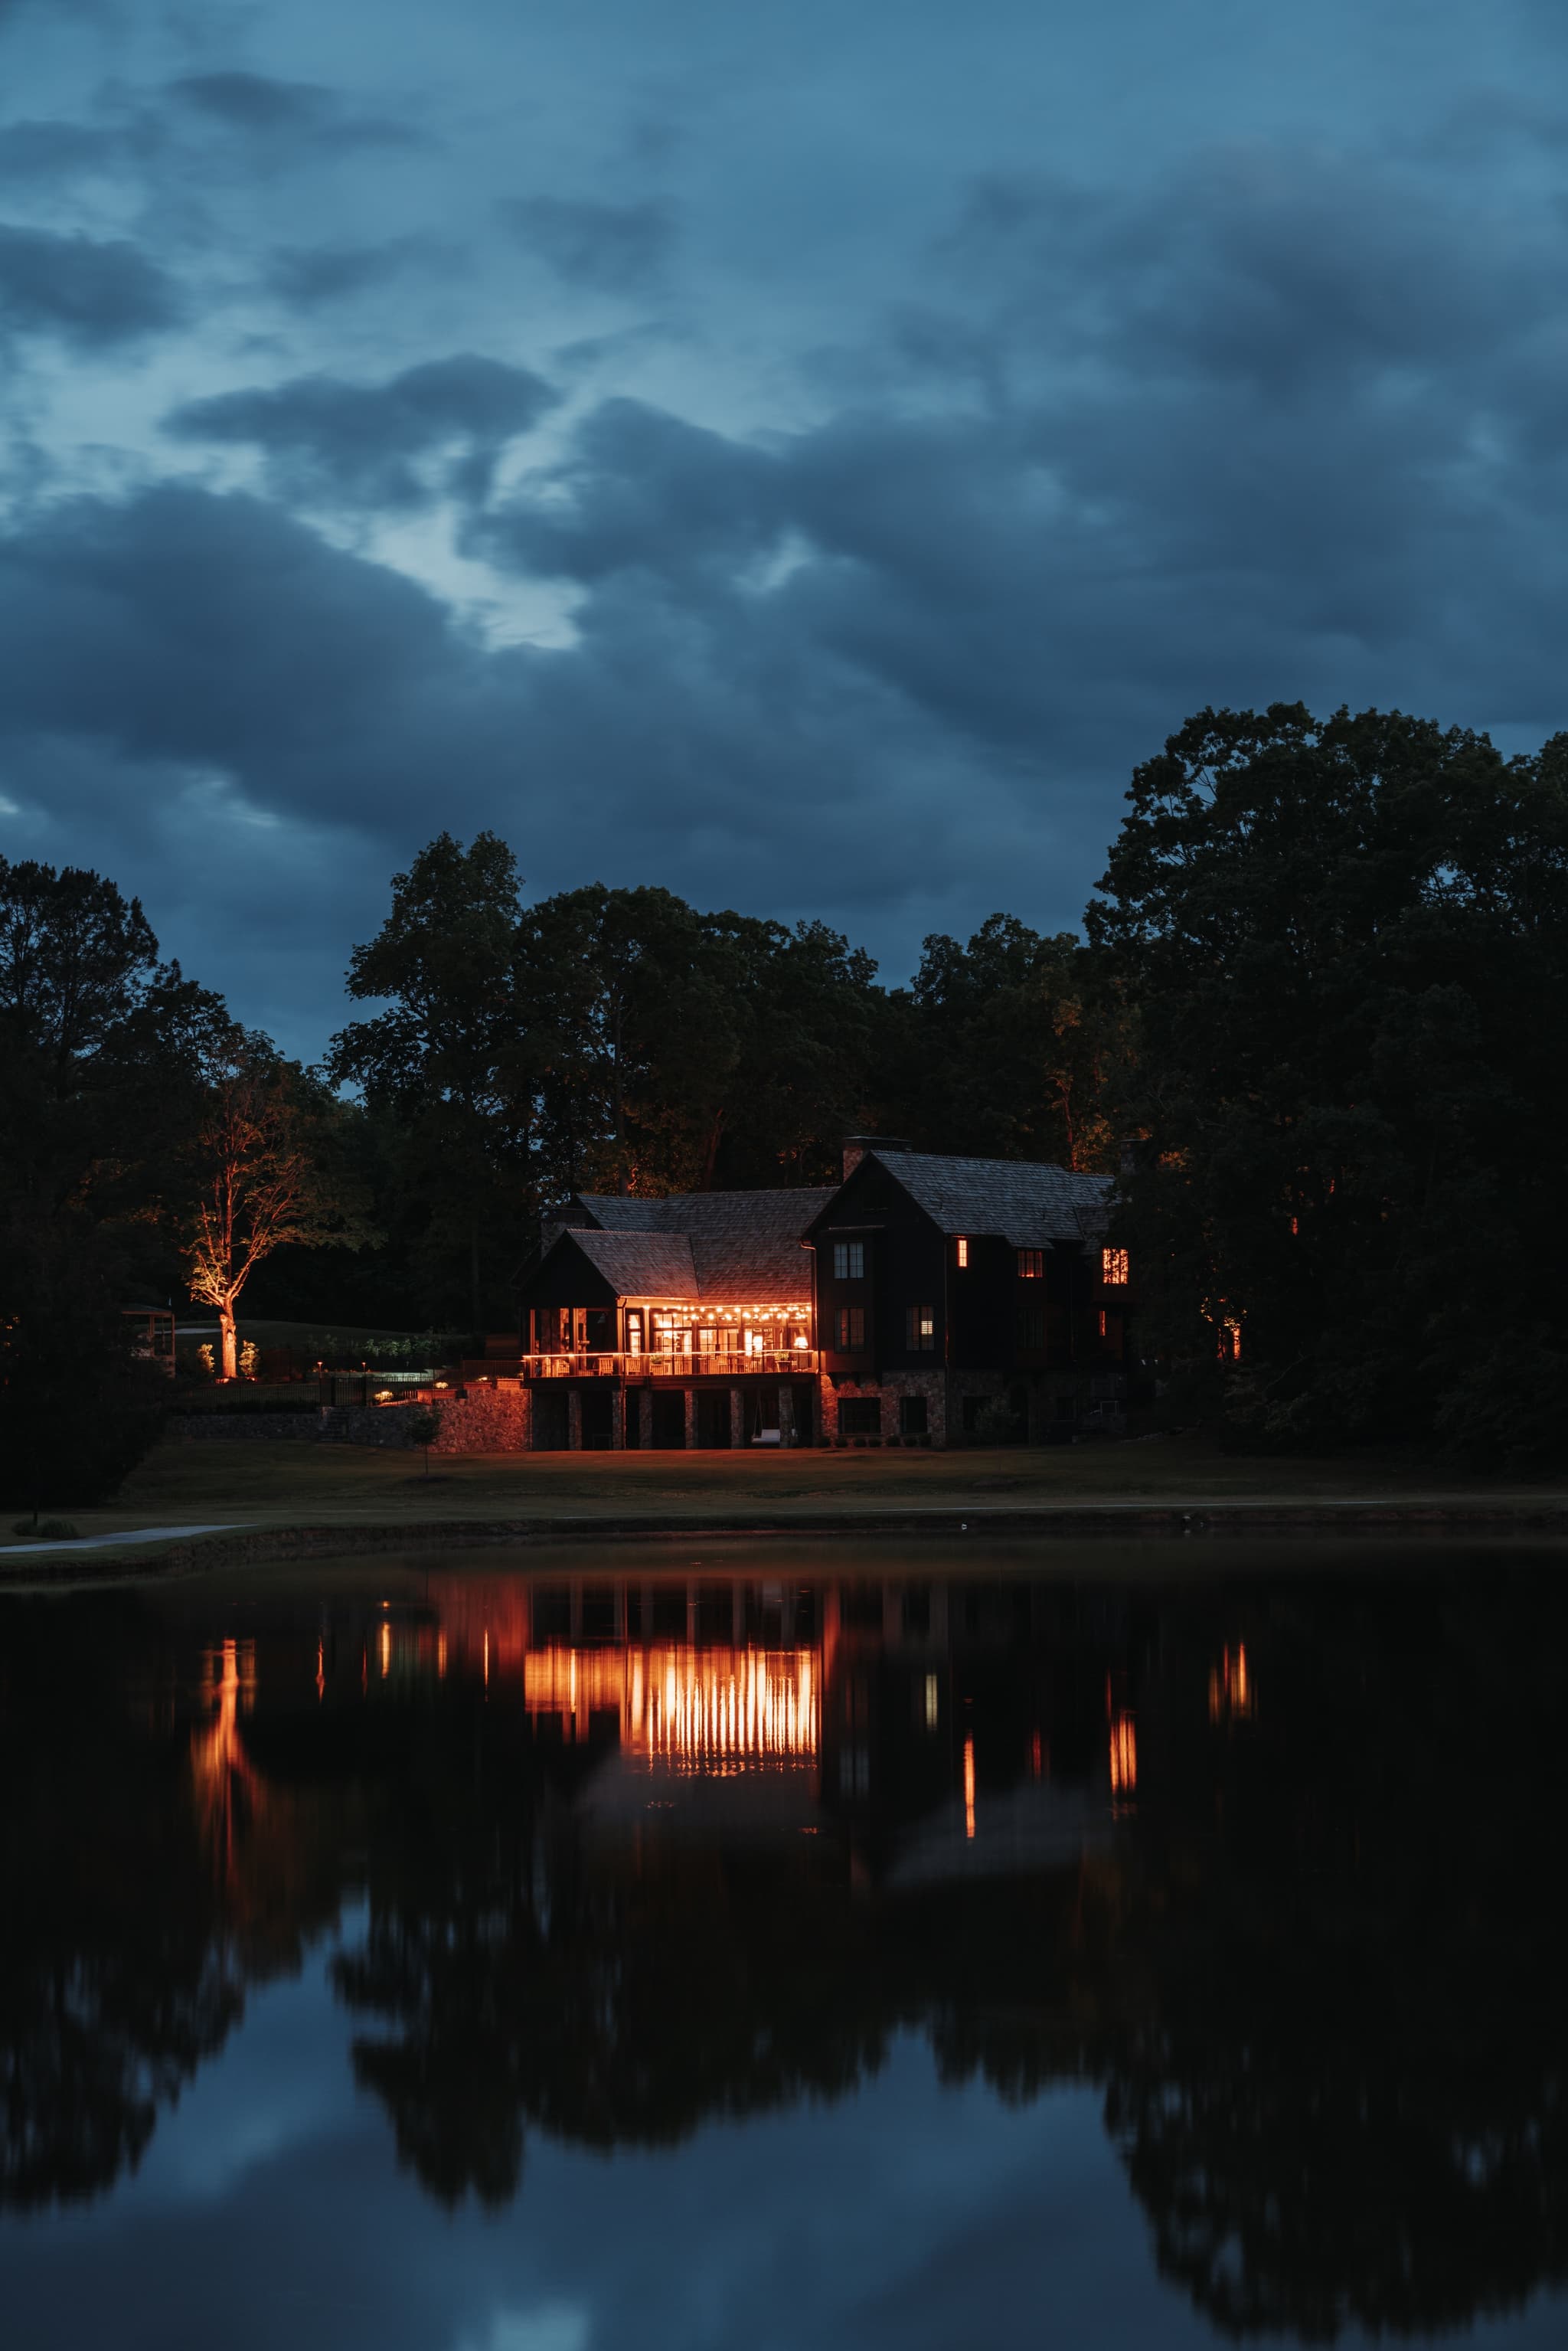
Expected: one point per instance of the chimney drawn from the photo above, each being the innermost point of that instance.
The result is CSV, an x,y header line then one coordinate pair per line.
x,y
857,1145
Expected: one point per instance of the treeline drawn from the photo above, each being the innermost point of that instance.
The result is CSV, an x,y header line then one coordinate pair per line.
x,y
618,1040
1314,1028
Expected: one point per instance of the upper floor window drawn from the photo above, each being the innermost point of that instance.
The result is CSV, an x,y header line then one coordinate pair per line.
x,y
962,1248
1114,1267
920,1329
1030,1331
1031,1265
852,1329
849,1260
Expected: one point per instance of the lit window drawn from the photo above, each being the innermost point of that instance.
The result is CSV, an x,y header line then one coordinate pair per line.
x,y
1031,1265
851,1329
920,1329
1114,1267
962,1249
849,1260
1103,1322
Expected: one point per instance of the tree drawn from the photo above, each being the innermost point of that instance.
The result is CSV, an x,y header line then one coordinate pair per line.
x,y
1010,1046
101,1053
1347,939
445,1068
78,1409
261,1181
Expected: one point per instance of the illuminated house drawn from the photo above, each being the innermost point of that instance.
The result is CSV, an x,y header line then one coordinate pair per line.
x,y
924,1300
681,1321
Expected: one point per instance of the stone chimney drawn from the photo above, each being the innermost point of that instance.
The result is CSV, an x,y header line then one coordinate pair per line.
x,y
857,1145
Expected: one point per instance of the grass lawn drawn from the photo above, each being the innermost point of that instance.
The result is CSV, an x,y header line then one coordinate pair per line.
x,y
288,1483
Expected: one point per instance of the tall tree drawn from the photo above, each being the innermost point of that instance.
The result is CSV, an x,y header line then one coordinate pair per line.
x,y
101,1052
447,1061
262,1181
1348,939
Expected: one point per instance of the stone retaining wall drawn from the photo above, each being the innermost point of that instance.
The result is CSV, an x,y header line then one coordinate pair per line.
x,y
195,1425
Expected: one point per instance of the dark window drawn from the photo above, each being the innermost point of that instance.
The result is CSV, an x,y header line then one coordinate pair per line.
x,y
1031,1327
860,1415
912,1415
1031,1265
974,1405
851,1329
920,1329
849,1260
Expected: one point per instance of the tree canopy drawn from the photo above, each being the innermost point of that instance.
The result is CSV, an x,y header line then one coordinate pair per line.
x,y
1347,941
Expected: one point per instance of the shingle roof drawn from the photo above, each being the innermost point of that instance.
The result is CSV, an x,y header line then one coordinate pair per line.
x,y
641,1265
744,1246
1029,1205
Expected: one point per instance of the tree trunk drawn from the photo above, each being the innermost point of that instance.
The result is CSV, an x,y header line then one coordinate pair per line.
x,y
229,1336
475,1306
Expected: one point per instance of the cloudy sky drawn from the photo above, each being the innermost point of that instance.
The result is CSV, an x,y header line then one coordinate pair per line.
x,y
801,455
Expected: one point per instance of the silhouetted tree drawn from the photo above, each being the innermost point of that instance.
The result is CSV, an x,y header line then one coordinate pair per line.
x,y
1347,940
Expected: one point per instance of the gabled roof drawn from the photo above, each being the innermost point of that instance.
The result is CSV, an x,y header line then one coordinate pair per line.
x,y
744,1248
640,1265
1028,1205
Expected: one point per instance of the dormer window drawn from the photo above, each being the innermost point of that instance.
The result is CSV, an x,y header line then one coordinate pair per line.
x,y
1114,1268
1031,1265
962,1249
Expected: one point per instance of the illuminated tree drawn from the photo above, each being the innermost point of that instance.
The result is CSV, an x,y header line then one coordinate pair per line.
x,y
262,1182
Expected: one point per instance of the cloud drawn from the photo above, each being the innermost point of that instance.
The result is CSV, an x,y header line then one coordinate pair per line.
x,y
350,443
39,150
303,116
617,249
308,276
88,292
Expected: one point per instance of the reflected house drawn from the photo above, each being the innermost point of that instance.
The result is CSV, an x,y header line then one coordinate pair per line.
x,y
925,1300
869,1709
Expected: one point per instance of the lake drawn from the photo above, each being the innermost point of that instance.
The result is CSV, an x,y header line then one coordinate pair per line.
x,y
776,1945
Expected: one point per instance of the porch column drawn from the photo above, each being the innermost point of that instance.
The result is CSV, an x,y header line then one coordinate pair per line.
x,y
737,1415
618,1419
574,1418
786,1415
691,1401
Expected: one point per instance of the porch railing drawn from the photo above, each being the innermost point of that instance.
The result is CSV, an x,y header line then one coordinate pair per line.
x,y
776,1363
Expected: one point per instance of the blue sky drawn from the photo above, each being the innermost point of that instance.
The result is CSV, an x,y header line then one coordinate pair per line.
x,y
801,456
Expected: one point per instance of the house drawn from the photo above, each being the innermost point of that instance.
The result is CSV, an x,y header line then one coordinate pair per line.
x,y
681,1321
968,1298
924,1300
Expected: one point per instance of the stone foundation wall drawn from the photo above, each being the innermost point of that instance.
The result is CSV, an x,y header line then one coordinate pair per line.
x,y
888,1390
486,1420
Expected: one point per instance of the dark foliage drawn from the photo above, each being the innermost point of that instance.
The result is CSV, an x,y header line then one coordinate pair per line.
x,y
1347,941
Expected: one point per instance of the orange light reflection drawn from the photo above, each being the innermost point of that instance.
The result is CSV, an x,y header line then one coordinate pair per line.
x,y
696,1709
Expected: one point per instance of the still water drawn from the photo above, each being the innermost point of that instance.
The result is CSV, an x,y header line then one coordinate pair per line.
x,y
788,1948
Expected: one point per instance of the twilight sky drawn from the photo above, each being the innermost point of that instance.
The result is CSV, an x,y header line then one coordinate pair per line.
x,y
801,455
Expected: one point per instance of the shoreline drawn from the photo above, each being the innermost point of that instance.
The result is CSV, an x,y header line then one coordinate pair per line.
x,y
46,1567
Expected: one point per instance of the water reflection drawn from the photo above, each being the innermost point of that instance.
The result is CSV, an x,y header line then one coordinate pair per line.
x,y
1274,1863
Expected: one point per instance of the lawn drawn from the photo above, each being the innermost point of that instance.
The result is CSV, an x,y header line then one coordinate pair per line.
x,y
283,1483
